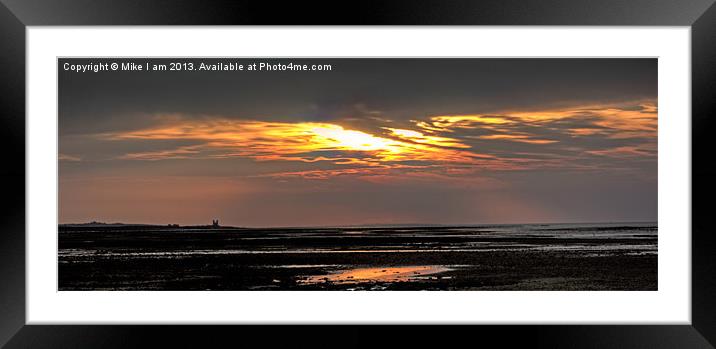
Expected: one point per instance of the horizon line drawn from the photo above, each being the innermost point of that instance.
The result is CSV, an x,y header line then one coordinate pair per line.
x,y
354,225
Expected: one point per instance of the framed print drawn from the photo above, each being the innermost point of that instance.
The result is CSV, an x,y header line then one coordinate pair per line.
x,y
525,168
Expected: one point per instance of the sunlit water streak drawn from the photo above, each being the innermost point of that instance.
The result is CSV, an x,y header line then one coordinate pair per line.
x,y
382,274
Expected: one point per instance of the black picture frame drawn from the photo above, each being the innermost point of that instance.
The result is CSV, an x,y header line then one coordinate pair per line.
x,y
16,15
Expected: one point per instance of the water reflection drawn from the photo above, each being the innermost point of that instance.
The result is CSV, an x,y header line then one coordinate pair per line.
x,y
384,274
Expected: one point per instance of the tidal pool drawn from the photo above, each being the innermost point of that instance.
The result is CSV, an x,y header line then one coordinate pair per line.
x,y
384,274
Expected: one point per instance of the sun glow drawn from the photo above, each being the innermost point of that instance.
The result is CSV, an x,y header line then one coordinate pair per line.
x,y
405,133
337,137
419,137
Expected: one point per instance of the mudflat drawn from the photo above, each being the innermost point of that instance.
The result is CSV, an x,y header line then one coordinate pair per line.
x,y
495,257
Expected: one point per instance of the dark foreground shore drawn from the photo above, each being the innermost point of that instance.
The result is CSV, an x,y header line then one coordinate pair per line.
x,y
454,258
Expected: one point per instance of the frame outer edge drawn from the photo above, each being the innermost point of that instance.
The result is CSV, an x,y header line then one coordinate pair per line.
x,y
373,12
12,134
12,174
703,80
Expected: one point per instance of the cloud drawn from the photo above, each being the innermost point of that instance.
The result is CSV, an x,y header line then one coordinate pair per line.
x,y
301,141
522,138
582,138
65,157
420,138
178,153
626,152
618,120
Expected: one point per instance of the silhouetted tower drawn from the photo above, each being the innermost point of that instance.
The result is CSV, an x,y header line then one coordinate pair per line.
x,y
214,223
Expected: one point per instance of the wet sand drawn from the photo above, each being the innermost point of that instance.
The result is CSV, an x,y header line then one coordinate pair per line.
x,y
553,257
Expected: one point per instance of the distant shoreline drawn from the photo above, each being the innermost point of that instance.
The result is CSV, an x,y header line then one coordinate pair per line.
x,y
374,226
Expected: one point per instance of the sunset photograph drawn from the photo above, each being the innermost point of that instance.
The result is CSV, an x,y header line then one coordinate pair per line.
x,y
357,174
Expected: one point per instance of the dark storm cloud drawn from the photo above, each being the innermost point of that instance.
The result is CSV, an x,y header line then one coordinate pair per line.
x,y
401,89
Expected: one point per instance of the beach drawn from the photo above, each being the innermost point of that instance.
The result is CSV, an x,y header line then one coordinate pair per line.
x,y
459,258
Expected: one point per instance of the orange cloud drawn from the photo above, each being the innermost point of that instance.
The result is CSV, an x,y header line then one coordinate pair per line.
x,y
436,144
419,137
626,120
302,141
518,138
65,157
457,176
179,153
584,131
624,152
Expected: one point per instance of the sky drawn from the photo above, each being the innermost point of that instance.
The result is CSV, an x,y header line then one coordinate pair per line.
x,y
372,141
